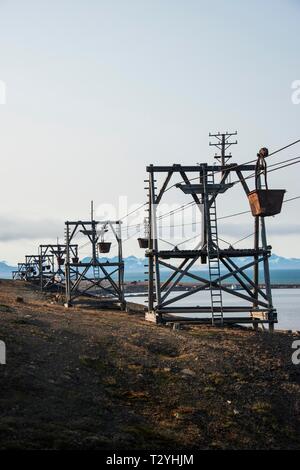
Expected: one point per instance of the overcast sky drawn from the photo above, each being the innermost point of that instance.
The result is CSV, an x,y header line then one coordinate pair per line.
x,y
96,90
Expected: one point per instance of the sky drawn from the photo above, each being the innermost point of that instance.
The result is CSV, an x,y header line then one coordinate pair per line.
x,y
97,90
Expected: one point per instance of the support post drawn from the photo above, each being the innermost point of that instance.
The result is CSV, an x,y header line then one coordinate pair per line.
x,y
150,249
256,266
121,269
67,267
267,276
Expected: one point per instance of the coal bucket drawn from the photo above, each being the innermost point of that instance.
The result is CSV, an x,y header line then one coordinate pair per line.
x,y
75,260
143,242
104,247
60,261
266,202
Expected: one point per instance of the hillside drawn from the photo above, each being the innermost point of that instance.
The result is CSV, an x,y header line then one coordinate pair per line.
x,y
92,379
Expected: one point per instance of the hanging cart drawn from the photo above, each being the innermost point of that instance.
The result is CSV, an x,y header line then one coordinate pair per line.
x,y
264,202
103,246
144,241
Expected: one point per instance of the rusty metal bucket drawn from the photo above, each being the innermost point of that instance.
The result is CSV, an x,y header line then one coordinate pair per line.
x,y
104,247
266,202
143,242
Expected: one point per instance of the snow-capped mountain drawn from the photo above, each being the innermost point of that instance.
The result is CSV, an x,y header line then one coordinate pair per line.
x,y
136,265
132,263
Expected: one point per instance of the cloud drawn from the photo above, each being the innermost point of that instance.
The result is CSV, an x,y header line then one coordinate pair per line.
x,y
288,229
13,229
240,230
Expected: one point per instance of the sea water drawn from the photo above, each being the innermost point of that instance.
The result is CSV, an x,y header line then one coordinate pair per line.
x,y
286,301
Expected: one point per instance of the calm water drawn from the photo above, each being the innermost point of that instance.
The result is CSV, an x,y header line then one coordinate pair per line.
x,y
278,276
286,301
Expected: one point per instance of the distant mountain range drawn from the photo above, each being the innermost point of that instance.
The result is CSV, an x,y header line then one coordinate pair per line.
x,y
5,270
134,265
278,262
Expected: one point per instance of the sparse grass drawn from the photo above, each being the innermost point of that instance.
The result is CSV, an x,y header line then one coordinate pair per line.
x,y
143,434
96,363
262,407
216,378
5,308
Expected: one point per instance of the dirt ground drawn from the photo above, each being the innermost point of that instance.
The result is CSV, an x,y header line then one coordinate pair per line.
x,y
89,379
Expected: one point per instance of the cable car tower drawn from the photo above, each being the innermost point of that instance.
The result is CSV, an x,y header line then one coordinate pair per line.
x,y
52,271
199,182
31,269
92,276
27,271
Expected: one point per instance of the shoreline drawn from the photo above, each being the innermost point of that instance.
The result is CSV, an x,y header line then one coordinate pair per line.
x,y
140,288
